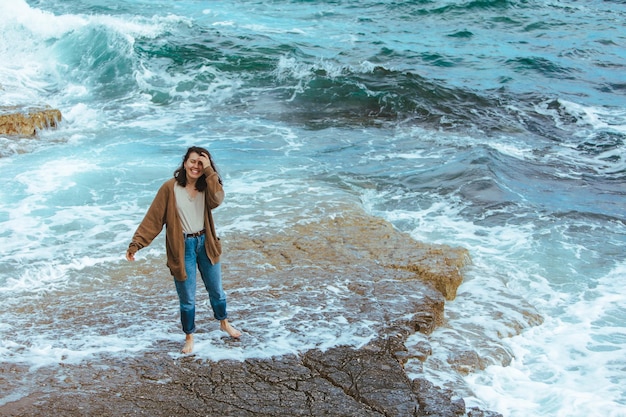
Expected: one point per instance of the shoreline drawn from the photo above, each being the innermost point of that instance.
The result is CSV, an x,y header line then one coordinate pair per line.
x,y
395,282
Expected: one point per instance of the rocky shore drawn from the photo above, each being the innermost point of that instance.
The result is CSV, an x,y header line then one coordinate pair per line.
x,y
338,382
396,283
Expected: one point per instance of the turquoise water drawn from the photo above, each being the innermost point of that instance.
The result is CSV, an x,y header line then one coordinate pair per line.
x,y
494,125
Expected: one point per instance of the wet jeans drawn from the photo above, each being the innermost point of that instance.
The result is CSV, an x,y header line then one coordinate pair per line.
x,y
196,257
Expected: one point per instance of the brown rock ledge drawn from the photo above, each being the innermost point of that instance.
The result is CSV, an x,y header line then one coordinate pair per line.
x,y
394,281
22,121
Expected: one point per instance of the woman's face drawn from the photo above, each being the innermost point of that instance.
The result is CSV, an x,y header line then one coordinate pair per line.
x,y
193,166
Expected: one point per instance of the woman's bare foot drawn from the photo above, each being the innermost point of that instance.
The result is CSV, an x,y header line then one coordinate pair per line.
x,y
188,348
225,326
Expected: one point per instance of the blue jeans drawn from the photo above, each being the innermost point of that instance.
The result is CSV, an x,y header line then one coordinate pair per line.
x,y
195,255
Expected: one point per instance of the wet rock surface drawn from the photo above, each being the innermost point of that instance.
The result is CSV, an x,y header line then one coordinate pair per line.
x,y
341,381
24,121
396,284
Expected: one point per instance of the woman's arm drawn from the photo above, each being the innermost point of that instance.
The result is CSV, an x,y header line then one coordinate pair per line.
x,y
214,189
152,223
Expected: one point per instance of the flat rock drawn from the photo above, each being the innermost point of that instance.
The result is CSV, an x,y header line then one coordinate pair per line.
x,y
341,381
388,279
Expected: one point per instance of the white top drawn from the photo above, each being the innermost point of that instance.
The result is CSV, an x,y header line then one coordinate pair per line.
x,y
190,210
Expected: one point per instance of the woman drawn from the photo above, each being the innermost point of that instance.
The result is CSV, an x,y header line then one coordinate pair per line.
x,y
183,204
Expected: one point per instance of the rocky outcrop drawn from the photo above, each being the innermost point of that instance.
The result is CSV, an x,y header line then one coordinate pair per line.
x,y
16,121
353,240
384,277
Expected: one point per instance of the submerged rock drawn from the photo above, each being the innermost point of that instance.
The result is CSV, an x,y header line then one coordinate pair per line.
x,y
16,121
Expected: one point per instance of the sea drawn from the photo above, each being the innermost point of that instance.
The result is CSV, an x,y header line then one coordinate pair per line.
x,y
494,125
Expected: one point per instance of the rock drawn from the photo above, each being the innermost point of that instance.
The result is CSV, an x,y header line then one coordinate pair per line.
x,y
375,274
477,412
466,362
342,381
16,121
354,239
437,402
372,377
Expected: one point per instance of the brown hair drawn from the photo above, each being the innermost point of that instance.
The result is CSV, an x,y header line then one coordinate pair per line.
x,y
181,175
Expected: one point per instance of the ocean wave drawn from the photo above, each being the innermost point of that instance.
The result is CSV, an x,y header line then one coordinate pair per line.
x,y
542,65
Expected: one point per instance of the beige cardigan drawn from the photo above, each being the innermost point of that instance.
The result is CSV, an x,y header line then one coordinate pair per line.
x,y
163,212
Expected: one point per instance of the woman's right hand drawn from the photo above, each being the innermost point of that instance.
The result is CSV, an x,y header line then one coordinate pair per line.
x,y
205,159
130,256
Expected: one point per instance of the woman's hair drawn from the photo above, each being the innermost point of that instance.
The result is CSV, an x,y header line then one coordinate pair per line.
x,y
181,175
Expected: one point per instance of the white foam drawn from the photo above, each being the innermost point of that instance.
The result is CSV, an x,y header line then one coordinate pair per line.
x,y
45,351
513,149
42,23
555,373
47,25
597,118
52,176
282,336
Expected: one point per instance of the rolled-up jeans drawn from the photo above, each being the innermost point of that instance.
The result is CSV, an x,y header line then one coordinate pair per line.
x,y
197,259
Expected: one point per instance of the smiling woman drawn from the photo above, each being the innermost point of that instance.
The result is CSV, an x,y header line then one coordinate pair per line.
x,y
183,205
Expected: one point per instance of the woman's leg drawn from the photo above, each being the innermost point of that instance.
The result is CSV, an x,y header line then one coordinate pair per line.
x,y
187,299
187,295
212,278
